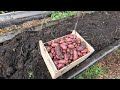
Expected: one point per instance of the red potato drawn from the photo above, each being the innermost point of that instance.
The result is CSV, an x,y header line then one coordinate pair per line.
x,y
81,47
61,41
48,49
70,36
65,44
56,40
71,46
84,51
64,51
71,52
56,62
69,61
64,47
68,39
49,43
74,36
58,51
66,57
71,57
75,55
74,43
63,61
55,58
70,42
51,55
52,50
84,54
59,66
54,44
78,40
68,50
79,54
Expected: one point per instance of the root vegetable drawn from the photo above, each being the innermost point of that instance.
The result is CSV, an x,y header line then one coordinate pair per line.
x,y
84,51
64,51
71,52
55,58
65,44
51,55
79,54
75,55
64,47
70,36
58,51
70,42
68,50
54,44
82,46
66,57
63,61
71,57
56,62
49,43
68,39
78,40
61,41
84,54
59,66
56,40
52,50
48,49
74,43
71,46
74,36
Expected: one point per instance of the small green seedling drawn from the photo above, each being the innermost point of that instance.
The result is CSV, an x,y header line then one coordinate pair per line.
x,y
62,14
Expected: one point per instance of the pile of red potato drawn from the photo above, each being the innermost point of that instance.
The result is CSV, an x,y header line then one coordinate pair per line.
x,y
65,50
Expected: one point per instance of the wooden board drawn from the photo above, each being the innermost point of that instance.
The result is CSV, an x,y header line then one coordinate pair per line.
x,y
50,64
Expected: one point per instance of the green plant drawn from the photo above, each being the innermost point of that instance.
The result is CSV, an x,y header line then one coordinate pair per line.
x,y
62,14
118,51
92,73
30,73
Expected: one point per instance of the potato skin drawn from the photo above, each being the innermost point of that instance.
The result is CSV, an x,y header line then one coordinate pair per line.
x,y
64,51
64,47
54,44
71,46
75,55
59,66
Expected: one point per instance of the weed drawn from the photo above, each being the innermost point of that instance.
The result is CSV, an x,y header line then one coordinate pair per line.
x,y
62,14
118,51
30,73
92,73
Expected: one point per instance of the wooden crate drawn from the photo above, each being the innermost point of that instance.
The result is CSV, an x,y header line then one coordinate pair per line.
x,y
55,73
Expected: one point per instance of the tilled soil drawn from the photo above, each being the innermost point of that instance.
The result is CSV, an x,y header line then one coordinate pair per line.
x,y
20,57
112,65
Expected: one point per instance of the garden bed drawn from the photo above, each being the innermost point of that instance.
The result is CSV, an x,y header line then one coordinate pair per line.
x,y
20,57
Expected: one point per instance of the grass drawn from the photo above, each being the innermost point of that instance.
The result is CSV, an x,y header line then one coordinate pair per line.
x,y
30,73
92,73
62,14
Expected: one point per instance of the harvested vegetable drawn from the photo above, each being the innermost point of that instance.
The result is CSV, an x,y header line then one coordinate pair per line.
x,y
66,50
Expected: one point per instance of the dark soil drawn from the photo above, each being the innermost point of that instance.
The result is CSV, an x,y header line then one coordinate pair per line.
x,y
112,63
21,56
